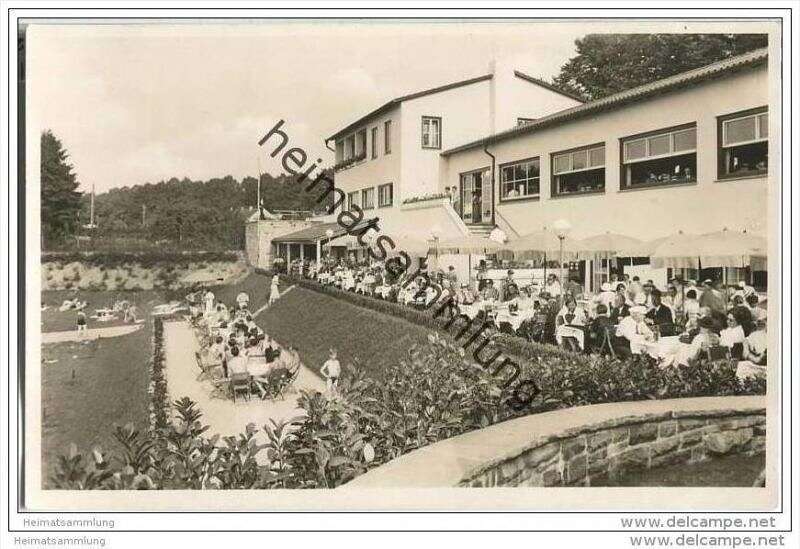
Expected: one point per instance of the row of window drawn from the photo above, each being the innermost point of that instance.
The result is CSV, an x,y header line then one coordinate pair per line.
x,y
354,146
662,157
365,198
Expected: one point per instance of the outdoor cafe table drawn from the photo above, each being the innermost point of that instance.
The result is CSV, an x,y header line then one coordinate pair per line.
x,y
667,348
256,366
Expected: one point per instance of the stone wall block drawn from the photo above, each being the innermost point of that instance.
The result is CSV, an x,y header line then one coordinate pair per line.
x,y
574,447
667,428
644,432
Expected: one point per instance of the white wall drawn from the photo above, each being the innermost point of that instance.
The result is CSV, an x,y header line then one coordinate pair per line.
x,y
643,213
518,98
465,116
384,169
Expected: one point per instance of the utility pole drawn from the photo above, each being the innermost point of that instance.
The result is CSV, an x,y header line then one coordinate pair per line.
x,y
144,214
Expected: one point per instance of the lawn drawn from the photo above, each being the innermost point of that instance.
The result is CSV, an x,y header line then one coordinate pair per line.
x,y
110,375
314,323
89,388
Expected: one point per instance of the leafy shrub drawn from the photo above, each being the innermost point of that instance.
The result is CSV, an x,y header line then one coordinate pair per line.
x,y
436,392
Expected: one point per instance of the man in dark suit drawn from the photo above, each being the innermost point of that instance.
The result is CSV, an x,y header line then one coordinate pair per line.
x,y
660,314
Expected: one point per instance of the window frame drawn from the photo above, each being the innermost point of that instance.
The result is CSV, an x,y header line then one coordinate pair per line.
x,y
438,120
350,199
624,185
739,115
387,137
374,142
554,192
390,203
364,193
500,181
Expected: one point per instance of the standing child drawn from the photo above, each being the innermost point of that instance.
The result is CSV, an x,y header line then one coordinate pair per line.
x,y
274,292
81,324
331,370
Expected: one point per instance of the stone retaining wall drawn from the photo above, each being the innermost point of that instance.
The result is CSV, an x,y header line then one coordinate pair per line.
x,y
607,450
582,445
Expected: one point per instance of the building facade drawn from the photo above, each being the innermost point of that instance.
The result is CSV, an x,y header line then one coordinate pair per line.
x,y
685,153
388,162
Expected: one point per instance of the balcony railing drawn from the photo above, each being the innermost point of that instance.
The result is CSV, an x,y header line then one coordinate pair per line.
x,y
344,164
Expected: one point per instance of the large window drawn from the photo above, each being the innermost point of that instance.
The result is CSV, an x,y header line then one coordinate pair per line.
x,y
519,179
579,171
666,157
352,199
385,195
339,151
743,143
361,143
374,142
387,137
368,198
431,132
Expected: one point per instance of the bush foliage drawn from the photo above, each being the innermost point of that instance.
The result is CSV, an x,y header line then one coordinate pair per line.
x,y
436,392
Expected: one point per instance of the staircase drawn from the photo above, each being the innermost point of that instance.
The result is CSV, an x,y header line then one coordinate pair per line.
x,y
481,229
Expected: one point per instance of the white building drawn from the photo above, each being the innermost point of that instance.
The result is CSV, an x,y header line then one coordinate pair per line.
x,y
388,161
688,152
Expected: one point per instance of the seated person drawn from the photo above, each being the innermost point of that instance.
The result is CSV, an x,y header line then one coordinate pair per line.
x,y
691,305
755,353
237,364
619,309
705,338
606,297
733,337
489,292
271,350
255,348
660,314
599,326
570,314
635,330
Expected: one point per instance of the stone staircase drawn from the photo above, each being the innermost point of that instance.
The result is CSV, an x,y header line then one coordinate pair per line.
x,y
481,229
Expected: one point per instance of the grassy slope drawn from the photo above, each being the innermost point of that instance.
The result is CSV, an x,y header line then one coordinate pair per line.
x,y
314,323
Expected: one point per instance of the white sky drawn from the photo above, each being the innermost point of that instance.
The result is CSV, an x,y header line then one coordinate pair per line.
x,y
142,103
136,104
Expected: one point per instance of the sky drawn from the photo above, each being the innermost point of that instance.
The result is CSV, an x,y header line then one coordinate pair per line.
x,y
142,103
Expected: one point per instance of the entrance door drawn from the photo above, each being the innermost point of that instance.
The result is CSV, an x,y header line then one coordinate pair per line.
x,y
476,193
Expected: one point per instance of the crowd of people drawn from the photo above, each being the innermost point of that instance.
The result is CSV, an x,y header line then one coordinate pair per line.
x,y
233,342
676,324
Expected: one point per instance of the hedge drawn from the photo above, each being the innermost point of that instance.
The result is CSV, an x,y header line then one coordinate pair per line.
x,y
145,259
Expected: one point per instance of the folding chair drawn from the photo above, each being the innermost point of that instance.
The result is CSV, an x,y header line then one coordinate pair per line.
x,y
205,369
240,383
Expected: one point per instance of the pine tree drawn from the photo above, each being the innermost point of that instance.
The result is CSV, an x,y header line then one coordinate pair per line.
x,y
60,201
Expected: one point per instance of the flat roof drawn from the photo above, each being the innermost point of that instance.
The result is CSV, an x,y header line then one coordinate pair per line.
x,y
617,100
310,235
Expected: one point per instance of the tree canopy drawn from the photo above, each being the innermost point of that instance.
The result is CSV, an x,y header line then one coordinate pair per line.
x,y
60,200
610,63
195,214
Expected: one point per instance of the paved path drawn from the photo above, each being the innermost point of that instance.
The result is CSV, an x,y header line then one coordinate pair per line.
x,y
266,305
92,333
224,416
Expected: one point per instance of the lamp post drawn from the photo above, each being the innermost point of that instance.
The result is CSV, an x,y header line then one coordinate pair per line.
x,y
435,231
562,228
328,235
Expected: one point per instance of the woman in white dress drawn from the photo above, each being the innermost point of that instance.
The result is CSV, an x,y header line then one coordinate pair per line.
x,y
274,292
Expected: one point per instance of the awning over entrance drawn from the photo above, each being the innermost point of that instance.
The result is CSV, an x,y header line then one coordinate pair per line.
x,y
318,233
